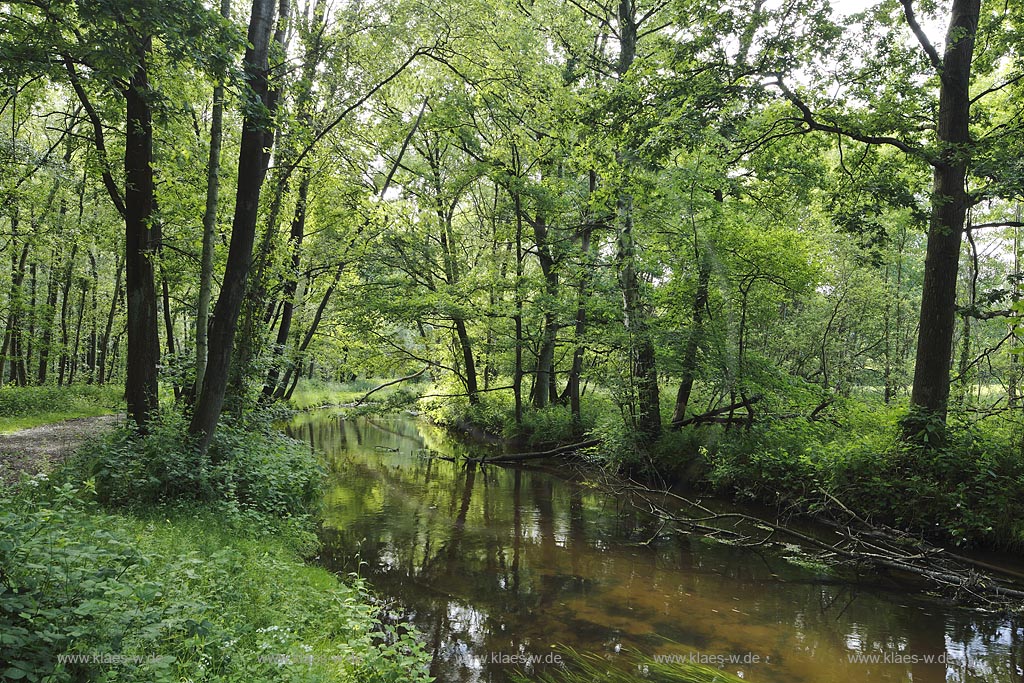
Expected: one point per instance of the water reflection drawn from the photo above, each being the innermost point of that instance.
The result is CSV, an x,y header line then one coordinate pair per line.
x,y
493,564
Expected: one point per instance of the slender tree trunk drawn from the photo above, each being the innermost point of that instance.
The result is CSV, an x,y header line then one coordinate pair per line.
x,y
142,381
248,339
91,352
111,313
210,222
290,287
635,318
253,158
10,350
582,292
157,236
466,344
642,355
46,322
517,378
291,376
930,394
64,306
545,377
78,333
689,370
29,340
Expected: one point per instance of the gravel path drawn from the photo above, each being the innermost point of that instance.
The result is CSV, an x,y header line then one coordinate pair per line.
x,y
39,449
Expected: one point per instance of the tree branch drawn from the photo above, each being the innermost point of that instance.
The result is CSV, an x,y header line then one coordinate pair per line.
x,y
98,139
926,45
388,384
813,124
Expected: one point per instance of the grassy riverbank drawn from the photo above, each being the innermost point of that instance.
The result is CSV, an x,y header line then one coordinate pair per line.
x,y
24,407
141,562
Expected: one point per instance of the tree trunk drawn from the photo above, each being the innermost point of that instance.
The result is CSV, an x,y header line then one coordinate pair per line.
x,y
545,379
290,287
46,324
10,350
64,304
930,394
93,310
582,291
78,333
291,376
466,344
142,382
27,356
253,157
641,346
517,376
248,339
700,303
210,222
105,339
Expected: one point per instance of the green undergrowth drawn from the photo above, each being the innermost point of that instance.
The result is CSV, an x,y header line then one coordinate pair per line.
x,y
495,414
250,467
141,562
24,407
965,492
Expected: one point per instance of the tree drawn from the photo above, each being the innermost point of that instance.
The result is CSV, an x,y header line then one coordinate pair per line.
x,y
253,157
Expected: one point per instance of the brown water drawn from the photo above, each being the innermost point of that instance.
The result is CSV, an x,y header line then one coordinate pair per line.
x,y
495,564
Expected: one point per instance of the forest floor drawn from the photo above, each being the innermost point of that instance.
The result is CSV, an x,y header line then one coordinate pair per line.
x,y
40,449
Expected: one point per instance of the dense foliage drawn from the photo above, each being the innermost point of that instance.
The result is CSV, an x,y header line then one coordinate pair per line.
x,y
86,595
760,224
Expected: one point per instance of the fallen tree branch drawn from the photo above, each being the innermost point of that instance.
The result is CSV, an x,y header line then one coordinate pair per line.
x,y
858,544
714,416
537,455
393,382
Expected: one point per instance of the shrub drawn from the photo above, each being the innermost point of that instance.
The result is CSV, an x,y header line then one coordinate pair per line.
x,y
246,467
176,599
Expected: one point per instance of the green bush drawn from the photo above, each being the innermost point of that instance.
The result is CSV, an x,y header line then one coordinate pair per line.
x,y
966,492
246,467
769,464
181,598
542,426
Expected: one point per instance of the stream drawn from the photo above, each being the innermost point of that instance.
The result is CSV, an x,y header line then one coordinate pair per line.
x,y
497,567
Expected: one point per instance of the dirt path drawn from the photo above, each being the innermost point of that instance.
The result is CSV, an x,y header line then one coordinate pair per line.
x,y
39,449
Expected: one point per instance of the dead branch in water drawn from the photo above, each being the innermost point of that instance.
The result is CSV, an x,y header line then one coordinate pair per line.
x,y
859,544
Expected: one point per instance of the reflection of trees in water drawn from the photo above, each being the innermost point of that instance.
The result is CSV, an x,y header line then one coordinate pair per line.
x,y
489,559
